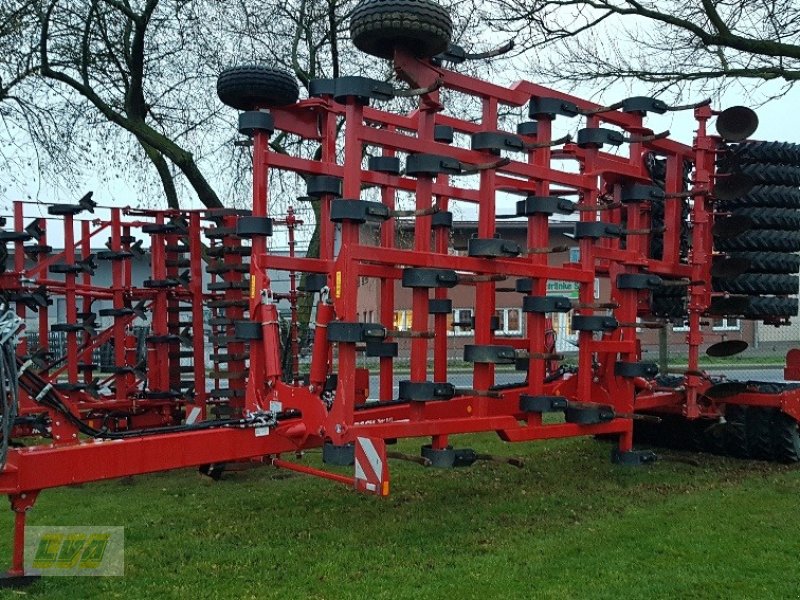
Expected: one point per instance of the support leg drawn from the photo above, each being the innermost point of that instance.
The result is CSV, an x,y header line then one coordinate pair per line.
x,y
16,577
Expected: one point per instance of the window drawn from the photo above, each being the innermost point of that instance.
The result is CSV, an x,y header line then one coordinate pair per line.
x,y
402,320
462,321
719,324
726,324
574,254
510,321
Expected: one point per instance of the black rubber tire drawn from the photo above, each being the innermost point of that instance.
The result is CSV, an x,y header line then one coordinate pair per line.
x,y
670,307
762,307
765,195
761,239
421,27
778,153
786,438
754,284
251,87
763,174
735,432
758,429
769,262
770,218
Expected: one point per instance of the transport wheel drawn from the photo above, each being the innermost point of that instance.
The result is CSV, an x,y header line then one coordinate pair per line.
x,y
768,262
735,433
754,284
786,438
250,87
758,429
779,153
422,27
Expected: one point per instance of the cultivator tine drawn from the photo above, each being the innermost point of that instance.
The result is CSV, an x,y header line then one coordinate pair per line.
x,y
641,231
690,106
479,393
602,109
455,54
540,355
88,265
467,169
420,460
595,305
185,337
680,283
136,248
415,213
609,206
637,139
400,93
480,278
184,278
566,139
553,250
501,460
88,325
644,325
427,335
139,309
87,203
34,229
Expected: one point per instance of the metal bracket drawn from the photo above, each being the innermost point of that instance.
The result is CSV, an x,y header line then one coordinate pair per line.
x,y
498,355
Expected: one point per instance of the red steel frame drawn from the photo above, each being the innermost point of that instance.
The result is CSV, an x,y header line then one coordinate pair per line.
x,y
256,387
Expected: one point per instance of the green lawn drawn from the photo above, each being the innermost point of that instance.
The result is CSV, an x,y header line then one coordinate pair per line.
x,y
569,524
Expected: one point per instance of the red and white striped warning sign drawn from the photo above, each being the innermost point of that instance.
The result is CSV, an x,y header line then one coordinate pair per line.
x,y
372,472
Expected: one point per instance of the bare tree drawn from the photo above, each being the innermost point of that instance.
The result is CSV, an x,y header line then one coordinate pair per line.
x,y
666,43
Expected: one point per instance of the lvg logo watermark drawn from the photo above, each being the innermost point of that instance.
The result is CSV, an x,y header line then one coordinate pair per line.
x,y
97,551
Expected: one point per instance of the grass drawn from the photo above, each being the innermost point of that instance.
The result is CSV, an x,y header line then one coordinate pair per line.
x,y
569,524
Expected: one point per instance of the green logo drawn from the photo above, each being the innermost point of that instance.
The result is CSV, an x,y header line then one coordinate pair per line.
x,y
75,550
70,551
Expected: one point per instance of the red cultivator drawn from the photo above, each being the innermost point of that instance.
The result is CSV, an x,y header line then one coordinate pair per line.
x,y
644,220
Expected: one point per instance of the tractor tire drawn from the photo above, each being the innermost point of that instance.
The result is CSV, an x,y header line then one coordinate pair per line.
x,y
786,438
769,262
764,196
754,284
422,27
758,429
770,218
761,239
711,435
765,174
735,432
776,153
765,307
251,87
669,307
